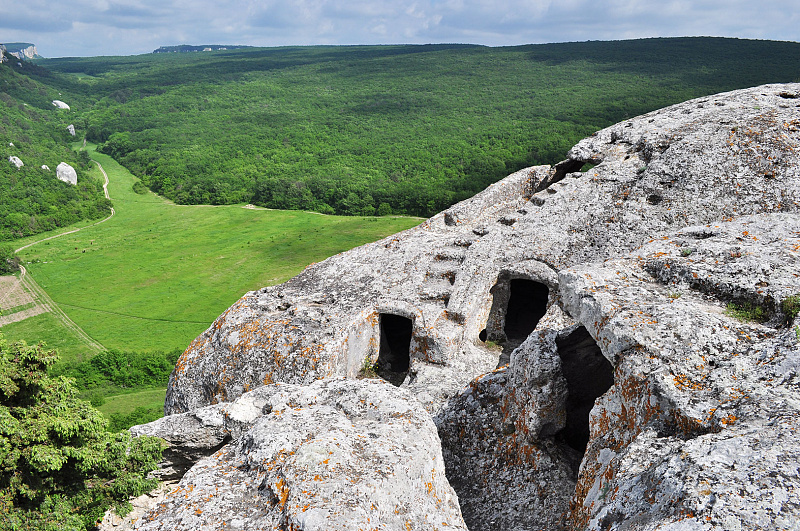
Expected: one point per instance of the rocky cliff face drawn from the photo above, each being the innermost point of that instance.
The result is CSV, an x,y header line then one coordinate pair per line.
x,y
22,50
627,396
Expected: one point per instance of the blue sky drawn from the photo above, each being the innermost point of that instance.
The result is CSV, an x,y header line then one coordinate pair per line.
x,y
109,27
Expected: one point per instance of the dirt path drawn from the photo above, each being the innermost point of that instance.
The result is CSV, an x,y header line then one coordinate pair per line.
x,y
105,191
43,300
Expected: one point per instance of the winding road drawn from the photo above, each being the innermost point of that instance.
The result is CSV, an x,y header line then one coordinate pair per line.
x,y
43,298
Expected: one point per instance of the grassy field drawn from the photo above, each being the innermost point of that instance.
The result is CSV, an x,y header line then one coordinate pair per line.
x,y
125,403
47,328
156,275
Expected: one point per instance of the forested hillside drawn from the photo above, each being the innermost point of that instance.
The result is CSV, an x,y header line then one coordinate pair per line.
x,y
379,129
32,199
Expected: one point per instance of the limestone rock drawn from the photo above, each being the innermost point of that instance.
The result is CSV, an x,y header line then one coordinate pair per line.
x,y
142,505
702,404
67,173
449,282
60,104
71,129
45,167
334,455
16,161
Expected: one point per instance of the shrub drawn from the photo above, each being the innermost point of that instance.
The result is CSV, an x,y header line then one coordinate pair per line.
x,y
140,188
9,262
59,467
791,307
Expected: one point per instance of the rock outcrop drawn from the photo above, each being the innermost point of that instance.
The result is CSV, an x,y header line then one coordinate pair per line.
x,y
336,454
22,50
622,393
60,104
71,130
67,173
16,161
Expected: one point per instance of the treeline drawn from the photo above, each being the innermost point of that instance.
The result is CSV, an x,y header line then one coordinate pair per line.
x,y
112,372
32,199
365,130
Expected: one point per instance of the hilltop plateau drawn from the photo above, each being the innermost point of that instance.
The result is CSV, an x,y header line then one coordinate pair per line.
x,y
617,348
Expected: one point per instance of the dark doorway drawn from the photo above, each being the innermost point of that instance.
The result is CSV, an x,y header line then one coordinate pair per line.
x,y
589,374
527,304
394,356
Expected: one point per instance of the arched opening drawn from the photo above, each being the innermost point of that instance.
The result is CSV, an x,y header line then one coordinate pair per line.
x,y
394,355
589,374
527,304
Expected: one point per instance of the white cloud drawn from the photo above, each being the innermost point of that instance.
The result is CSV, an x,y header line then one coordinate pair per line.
x,y
103,27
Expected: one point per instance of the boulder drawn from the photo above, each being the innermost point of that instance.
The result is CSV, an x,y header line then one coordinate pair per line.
x,y
60,104
71,129
337,454
662,403
16,161
67,173
45,167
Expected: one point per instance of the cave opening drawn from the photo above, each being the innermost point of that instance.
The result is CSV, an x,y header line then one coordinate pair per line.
x,y
394,356
527,304
589,375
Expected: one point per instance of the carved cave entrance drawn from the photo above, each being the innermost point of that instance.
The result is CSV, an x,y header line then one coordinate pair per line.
x,y
517,307
394,356
589,374
527,304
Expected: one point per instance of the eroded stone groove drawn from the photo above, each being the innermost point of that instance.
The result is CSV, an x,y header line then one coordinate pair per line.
x,y
588,375
394,356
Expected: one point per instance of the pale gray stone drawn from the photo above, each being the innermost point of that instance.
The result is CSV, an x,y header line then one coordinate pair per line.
x,y
334,455
67,173
16,161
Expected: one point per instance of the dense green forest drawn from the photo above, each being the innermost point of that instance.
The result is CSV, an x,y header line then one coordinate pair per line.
x,y
364,130
32,199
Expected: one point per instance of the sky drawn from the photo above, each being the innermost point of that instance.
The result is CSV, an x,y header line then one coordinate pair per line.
x,y
130,27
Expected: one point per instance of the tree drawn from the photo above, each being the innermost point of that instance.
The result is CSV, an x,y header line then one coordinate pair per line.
x,y
8,260
59,467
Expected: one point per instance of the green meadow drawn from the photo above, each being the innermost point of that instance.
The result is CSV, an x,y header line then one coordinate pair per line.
x,y
156,274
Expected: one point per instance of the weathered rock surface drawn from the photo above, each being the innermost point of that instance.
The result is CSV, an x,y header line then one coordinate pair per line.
x,y
71,129
334,455
60,105
502,457
67,173
631,399
16,161
701,425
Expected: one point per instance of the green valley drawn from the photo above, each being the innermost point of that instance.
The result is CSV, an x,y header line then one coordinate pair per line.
x,y
371,133
358,130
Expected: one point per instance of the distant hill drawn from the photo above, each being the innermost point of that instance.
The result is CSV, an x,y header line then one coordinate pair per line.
x,y
360,130
183,48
